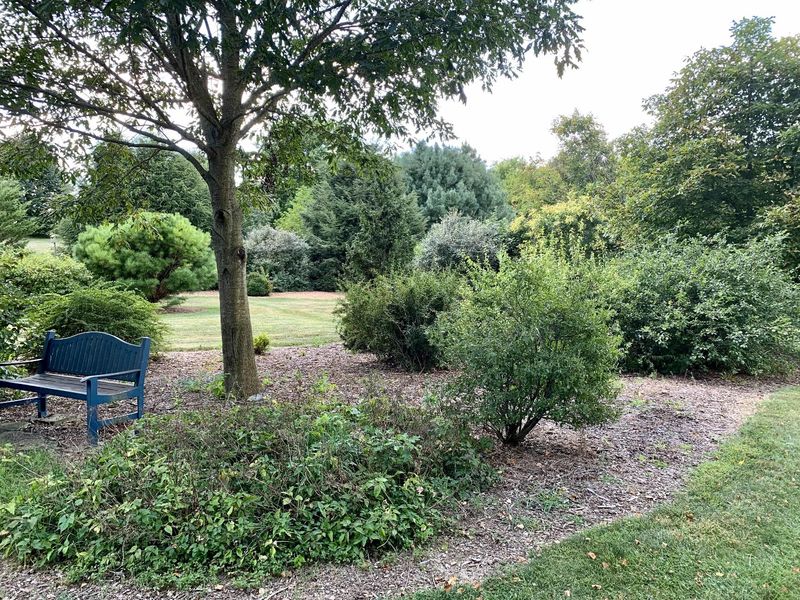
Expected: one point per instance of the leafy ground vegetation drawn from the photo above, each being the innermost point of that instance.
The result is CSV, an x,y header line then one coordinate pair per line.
x,y
731,534
179,500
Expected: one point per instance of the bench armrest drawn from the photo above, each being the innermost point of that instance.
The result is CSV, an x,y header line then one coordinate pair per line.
x,y
109,375
15,363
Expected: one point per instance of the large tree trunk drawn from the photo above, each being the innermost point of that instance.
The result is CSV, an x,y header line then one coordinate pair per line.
x,y
238,358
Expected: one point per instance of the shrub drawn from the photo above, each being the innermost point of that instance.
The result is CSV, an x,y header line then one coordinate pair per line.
x,y
34,274
157,254
530,344
391,315
261,343
12,323
180,499
122,313
455,240
704,306
259,284
282,254
14,221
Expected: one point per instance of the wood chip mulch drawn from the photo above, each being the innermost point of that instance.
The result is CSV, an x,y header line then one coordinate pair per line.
x,y
559,482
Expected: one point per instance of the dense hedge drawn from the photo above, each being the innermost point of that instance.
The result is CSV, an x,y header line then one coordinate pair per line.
x,y
181,499
704,306
33,273
391,316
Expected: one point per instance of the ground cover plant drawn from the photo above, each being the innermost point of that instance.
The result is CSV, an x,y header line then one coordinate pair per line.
x,y
181,500
731,534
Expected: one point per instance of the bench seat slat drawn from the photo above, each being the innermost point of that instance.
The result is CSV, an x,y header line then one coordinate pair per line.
x,y
54,384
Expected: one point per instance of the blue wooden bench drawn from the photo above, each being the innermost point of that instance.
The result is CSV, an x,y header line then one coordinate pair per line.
x,y
96,367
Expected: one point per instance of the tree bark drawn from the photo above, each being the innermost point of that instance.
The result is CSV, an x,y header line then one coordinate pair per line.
x,y
238,357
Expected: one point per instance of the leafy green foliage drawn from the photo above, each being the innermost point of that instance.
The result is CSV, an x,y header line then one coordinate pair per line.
x,y
447,179
259,283
15,224
704,306
34,274
360,223
530,344
121,181
530,184
456,240
261,343
576,223
156,254
585,159
12,308
391,316
277,487
32,162
281,254
122,313
725,143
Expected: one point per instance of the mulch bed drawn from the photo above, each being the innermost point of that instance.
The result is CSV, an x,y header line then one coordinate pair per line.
x,y
558,482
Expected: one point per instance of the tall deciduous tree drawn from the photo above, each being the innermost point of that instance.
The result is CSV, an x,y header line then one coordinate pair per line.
x,y
585,156
211,73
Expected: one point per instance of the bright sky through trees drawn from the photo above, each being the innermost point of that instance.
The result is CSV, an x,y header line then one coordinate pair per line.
x,y
632,49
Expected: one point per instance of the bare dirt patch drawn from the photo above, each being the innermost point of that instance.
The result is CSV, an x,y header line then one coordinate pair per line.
x,y
557,483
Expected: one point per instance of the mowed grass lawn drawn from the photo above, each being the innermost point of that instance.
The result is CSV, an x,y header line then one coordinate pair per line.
x,y
290,319
733,534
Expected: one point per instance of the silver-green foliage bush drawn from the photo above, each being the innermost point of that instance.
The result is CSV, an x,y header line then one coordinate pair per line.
x,y
281,254
156,254
529,344
456,240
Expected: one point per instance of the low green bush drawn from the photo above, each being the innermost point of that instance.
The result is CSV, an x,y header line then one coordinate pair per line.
x,y
122,313
34,273
259,284
261,343
180,500
530,344
283,255
704,306
391,315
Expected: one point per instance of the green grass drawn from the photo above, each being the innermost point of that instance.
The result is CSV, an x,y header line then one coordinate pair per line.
x,y
289,321
40,245
733,534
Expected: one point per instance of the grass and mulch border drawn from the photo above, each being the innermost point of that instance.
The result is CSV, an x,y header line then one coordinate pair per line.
x,y
732,533
559,483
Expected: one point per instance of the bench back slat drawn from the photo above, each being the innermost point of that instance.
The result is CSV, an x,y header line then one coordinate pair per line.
x,y
91,353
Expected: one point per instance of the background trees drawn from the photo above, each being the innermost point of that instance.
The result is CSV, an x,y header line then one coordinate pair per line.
x,y
447,179
233,69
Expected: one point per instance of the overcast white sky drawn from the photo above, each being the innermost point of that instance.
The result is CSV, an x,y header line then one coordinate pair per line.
x,y
632,49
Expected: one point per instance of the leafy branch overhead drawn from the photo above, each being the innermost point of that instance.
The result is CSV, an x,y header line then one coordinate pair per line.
x,y
171,71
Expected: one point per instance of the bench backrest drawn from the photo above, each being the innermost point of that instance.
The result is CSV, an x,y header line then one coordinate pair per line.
x,y
94,353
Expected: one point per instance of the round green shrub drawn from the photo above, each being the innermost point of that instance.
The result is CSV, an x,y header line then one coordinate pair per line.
x,y
390,316
455,241
259,284
282,254
39,273
122,313
699,306
157,254
530,344
261,343
179,500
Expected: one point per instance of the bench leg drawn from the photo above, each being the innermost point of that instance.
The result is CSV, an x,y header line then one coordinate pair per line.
x,y
140,406
92,426
41,405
